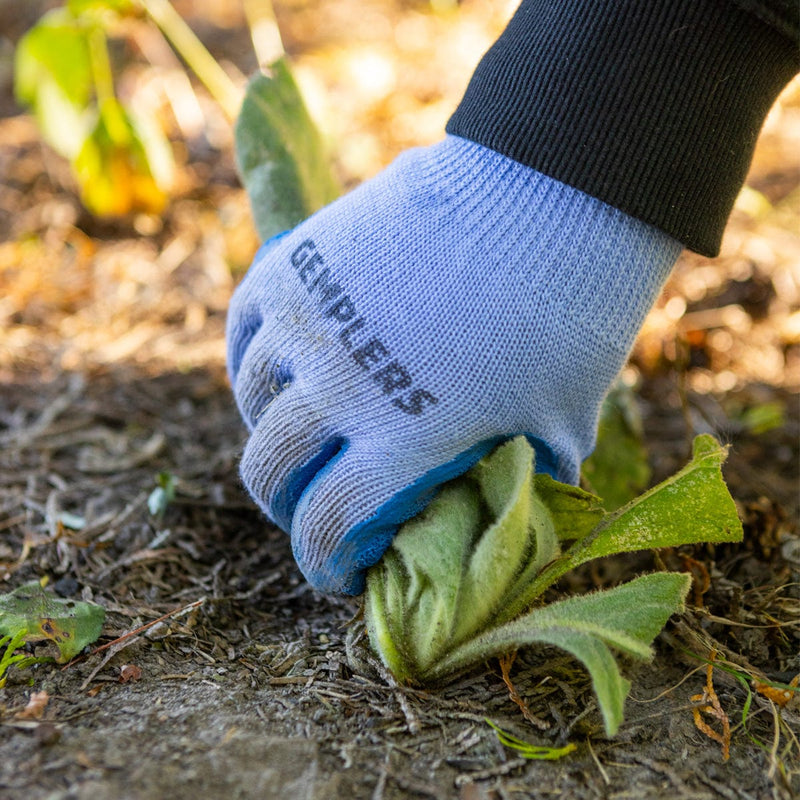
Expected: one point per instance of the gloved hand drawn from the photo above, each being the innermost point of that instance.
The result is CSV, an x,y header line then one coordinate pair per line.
x,y
392,339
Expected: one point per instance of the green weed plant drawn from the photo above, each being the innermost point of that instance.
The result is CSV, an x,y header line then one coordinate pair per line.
x,y
464,580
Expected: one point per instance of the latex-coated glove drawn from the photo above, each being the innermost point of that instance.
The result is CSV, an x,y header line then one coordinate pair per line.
x,y
392,339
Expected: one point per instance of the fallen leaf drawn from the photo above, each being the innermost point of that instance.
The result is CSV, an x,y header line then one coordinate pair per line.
x,y
40,615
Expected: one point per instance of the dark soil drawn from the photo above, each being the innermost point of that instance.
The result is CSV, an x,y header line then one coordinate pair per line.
x,y
261,685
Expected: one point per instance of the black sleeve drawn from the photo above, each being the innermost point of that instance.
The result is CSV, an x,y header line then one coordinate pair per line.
x,y
652,106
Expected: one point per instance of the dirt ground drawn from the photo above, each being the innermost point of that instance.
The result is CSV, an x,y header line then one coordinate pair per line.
x,y
253,685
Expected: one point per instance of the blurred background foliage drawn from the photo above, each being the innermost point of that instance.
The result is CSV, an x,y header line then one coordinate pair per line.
x,y
149,278
124,224
63,72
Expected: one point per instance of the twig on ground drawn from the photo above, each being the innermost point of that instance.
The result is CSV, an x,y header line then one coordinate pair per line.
x,y
711,706
115,644
505,669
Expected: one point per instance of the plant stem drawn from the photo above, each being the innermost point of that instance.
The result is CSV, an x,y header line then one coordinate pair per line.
x,y
191,49
101,66
111,112
264,31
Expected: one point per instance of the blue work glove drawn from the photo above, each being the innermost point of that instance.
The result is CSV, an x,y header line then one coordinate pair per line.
x,y
391,340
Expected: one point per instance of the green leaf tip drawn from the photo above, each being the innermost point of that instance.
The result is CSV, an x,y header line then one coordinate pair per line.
x,y
527,750
705,444
463,580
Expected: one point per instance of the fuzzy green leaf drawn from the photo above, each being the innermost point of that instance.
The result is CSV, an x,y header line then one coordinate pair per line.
x,y
457,585
498,556
35,614
626,618
451,570
432,580
694,505
280,153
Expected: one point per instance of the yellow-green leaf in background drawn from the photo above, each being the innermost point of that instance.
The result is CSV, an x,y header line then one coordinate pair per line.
x,y
53,76
124,165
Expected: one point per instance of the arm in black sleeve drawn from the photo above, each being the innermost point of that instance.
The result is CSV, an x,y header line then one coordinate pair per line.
x,y
652,106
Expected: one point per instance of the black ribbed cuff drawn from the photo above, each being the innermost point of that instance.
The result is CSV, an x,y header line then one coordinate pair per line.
x,y
652,106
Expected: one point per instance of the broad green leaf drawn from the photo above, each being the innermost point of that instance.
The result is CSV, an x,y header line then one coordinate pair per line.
x,y
124,165
53,76
36,615
627,618
617,470
694,505
420,585
280,154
